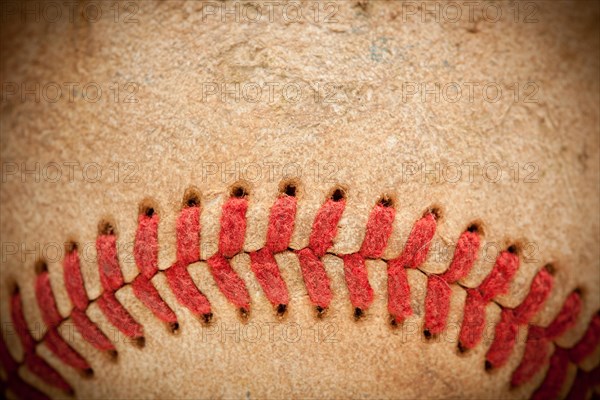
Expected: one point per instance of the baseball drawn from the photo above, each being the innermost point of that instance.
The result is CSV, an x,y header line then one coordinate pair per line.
x,y
300,199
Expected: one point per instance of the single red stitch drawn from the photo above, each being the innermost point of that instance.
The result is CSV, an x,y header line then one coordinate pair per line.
x,y
188,235
437,300
473,321
108,262
119,316
537,350
46,301
379,230
498,281
267,273
145,248
324,227
465,255
398,292
355,273
414,254
555,377
35,363
315,278
584,383
540,289
281,224
185,290
90,332
566,318
147,294
507,328
437,304
74,280
588,343
64,351
233,226
228,281
504,340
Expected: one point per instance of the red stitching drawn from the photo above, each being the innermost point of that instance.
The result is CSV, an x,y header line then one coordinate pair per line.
x,y
317,282
14,383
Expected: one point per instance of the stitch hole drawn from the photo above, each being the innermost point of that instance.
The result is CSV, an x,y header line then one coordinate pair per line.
x,y
191,198
435,211
427,334
461,349
206,318
244,313
386,201
320,311
106,227
358,313
513,249
112,355
488,366
550,268
474,228
281,309
70,246
87,373
40,267
174,327
239,190
338,194
147,207
140,342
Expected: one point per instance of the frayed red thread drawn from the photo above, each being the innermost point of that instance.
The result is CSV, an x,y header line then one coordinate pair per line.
x,y
188,235
437,300
108,263
52,318
262,262
507,328
145,249
473,321
281,224
379,230
498,281
324,227
119,316
228,281
35,363
588,343
147,294
414,254
267,273
13,381
233,226
555,377
90,331
74,280
357,279
185,290
315,278
566,318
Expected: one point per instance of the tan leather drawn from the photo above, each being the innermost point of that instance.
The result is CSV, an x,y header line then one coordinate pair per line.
x,y
364,131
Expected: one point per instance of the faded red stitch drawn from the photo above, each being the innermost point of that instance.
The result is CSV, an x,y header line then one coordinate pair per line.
x,y
14,383
538,340
108,263
145,248
588,343
267,273
233,226
437,300
537,350
262,262
355,272
324,227
228,281
185,290
584,383
147,294
74,280
506,331
188,235
379,230
35,363
90,332
496,283
414,254
118,316
52,318
555,378
315,278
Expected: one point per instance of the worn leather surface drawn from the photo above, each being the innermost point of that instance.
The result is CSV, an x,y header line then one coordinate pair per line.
x,y
355,125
